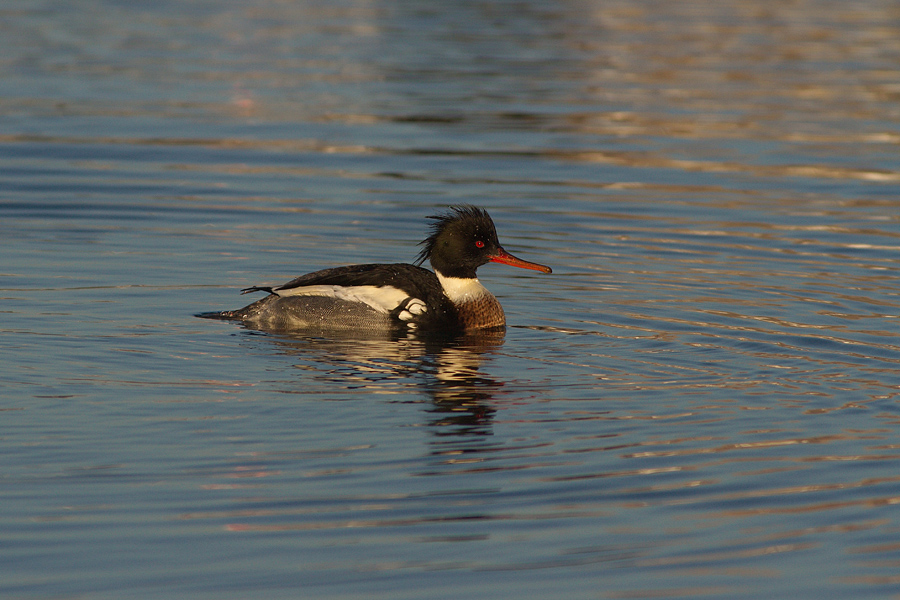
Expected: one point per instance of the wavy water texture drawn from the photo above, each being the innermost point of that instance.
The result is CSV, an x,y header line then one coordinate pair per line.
x,y
700,402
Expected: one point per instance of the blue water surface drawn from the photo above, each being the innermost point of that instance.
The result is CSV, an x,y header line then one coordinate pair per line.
x,y
700,402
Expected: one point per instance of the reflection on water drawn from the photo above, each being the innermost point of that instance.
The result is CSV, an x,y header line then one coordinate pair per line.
x,y
446,371
701,402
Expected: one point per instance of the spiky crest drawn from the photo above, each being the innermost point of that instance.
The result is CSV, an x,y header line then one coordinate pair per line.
x,y
460,217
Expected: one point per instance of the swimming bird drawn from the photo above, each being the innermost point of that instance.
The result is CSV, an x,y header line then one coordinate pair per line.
x,y
395,297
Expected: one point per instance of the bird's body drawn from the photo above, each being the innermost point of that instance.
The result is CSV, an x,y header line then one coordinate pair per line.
x,y
395,297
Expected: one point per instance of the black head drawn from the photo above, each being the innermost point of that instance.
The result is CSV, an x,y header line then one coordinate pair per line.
x,y
464,239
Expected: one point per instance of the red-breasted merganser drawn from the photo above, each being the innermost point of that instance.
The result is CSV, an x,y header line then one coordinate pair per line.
x,y
399,297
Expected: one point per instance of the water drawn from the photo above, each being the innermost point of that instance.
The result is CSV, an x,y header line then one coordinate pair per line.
x,y
700,402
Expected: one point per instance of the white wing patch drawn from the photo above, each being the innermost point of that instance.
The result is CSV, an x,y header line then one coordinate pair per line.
x,y
384,299
414,307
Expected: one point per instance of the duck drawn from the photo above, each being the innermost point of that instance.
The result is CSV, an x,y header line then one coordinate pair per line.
x,y
398,297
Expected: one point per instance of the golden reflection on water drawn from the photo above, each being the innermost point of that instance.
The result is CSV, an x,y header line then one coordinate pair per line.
x,y
447,371
681,76
717,350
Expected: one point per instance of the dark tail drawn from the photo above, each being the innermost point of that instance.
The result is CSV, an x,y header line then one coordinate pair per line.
x,y
241,314
257,288
225,315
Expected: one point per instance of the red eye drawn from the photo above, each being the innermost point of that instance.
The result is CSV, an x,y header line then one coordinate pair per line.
x,y
479,244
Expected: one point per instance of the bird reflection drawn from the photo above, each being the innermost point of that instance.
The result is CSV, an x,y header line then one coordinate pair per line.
x,y
460,393
446,369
